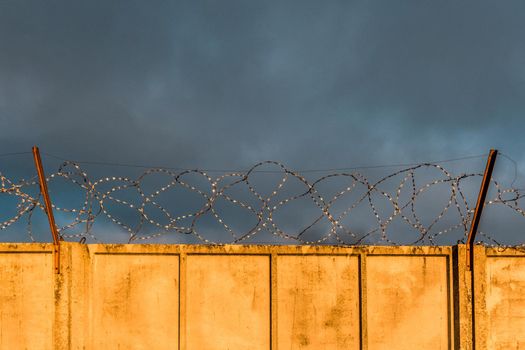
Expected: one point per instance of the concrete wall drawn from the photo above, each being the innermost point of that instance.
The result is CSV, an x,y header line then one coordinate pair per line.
x,y
259,297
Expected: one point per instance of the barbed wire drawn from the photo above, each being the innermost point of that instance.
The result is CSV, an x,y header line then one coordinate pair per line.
x,y
390,202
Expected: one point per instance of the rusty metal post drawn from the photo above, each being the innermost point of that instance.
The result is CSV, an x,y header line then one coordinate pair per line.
x,y
48,208
485,183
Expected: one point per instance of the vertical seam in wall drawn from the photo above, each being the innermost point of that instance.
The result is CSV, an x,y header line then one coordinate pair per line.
x,y
450,304
70,271
363,325
273,301
90,278
58,296
479,292
182,300
455,298
473,299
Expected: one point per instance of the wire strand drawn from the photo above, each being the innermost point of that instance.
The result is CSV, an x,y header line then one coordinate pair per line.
x,y
13,154
381,166
515,164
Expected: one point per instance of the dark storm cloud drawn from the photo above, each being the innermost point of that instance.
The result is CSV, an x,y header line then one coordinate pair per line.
x,y
227,84
232,83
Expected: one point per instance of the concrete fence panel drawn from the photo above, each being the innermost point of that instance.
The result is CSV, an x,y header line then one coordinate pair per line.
x,y
408,301
27,297
318,302
135,301
228,302
505,301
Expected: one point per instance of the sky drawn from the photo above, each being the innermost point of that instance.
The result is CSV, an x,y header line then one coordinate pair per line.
x,y
227,84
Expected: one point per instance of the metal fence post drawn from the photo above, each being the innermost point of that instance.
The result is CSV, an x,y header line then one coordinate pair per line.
x,y
48,207
485,183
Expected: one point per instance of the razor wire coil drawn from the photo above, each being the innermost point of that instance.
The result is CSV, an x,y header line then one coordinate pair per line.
x,y
97,202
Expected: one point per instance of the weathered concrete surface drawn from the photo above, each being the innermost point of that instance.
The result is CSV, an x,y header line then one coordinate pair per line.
x,y
318,302
408,302
26,297
259,297
505,302
228,302
135,301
